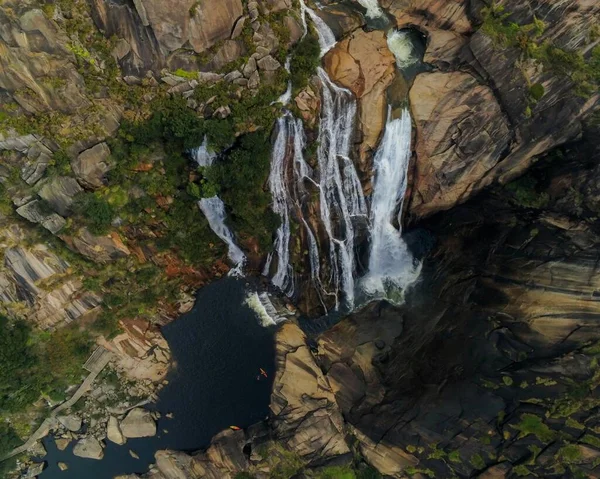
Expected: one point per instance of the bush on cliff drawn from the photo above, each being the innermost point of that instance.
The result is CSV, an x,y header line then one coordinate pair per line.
x,y
306,57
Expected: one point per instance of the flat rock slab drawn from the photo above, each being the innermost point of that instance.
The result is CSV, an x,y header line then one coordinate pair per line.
x,y
89,448
72,423
138,423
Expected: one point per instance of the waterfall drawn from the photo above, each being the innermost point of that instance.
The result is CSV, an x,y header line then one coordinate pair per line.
x,y
286,97
401,45
341,196
214,210
263,307
373,8
391,264
326,37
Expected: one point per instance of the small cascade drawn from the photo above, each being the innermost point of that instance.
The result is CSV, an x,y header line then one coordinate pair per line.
x,y
278,181
326,37
214,210
391,265
286,96
373,8
263,307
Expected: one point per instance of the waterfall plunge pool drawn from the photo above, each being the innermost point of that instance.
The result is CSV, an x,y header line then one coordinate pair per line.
x,y
217,348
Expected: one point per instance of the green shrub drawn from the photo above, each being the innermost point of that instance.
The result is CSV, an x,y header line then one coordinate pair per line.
x,y
96,211
536,91
336,472
306,57
8,441
525,193
532,424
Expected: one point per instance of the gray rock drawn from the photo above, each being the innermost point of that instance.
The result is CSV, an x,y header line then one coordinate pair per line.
x,y
59,193
240,81
254,81
35,470
262,52
89,448
234,75
62,443
113,432
138,423
35,212
222,112
38,157
253,10
250,67
209,77
91,166
71,423
63,466
238,28
268,63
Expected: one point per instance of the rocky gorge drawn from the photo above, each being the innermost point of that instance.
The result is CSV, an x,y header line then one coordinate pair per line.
x,y
489,367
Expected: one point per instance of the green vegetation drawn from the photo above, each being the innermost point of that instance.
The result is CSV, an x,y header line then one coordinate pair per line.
x,y
32,365
569,454
583,72
525,193
477,461
186,74
534,425
411,471
536,91
97,212
336,472
306,57
8,441
507,380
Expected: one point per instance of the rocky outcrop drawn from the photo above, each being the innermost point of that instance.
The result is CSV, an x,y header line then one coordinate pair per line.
x,y
59,194
91,166
100,249
36,281
461,135
533,126
138,423
305,416
363,63
201,24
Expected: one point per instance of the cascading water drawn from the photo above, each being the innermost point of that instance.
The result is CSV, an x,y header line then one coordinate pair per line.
x,y
326,37
373,8
339,194
214,210
391,265
278,181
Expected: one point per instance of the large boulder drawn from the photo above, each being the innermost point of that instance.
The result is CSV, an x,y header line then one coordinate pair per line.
x,y
89,448
199,23
113,432
363,63
461,135
59,193
138,423
91,166
305,415
71,423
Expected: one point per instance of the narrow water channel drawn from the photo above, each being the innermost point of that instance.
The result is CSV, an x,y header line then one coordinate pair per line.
x,y
218,349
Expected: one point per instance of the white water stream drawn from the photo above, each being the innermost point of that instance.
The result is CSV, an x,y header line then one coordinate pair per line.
x,y
373,8
214,210
391,265
401,45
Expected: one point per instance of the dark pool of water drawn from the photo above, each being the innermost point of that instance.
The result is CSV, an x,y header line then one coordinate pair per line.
x,y
218,348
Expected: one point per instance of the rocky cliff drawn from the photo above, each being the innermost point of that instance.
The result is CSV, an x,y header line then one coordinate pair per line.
x,y
489,370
